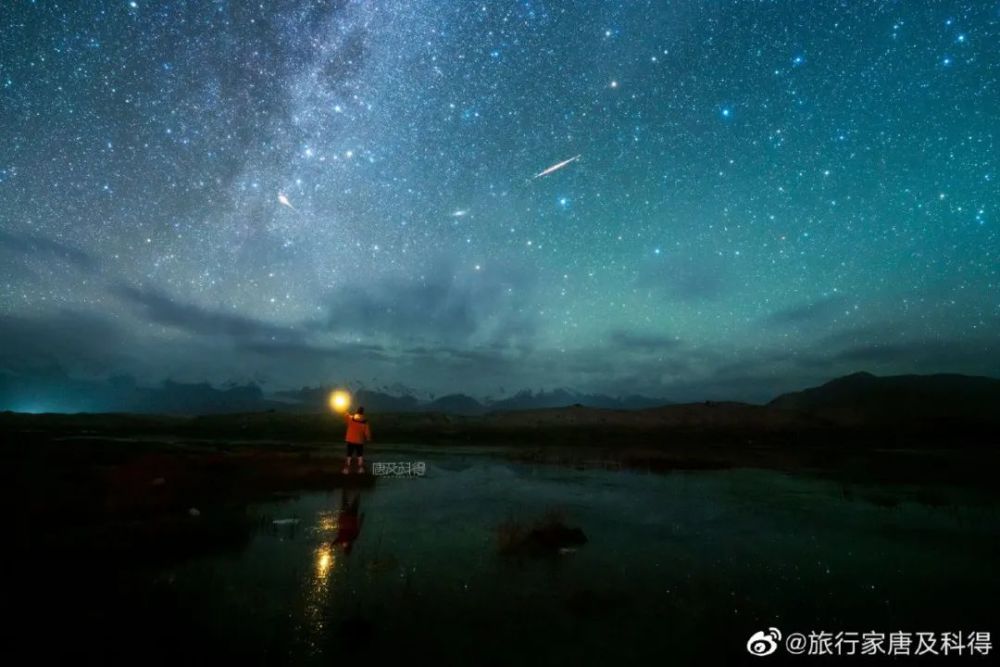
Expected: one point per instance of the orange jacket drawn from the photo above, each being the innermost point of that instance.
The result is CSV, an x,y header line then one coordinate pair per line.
x,y
358,431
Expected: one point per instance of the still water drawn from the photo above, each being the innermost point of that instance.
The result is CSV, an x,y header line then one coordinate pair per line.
x,y
687,565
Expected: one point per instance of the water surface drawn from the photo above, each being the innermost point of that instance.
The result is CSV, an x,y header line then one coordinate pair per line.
x,y
687,564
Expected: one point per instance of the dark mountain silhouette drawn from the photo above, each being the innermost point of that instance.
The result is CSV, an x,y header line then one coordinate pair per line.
x,y
315,399
456,404
561,398
857,400
863,398
381,402
309,399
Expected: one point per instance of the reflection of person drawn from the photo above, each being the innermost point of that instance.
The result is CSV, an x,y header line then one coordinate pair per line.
x,y
358,433
348,520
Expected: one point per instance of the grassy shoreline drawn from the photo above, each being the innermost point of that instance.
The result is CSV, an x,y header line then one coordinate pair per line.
x,y
91,469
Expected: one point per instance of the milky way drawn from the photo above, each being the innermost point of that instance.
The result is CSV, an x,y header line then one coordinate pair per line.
x,y
769,194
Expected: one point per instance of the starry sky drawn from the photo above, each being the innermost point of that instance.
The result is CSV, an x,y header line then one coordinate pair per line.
x,y
767,194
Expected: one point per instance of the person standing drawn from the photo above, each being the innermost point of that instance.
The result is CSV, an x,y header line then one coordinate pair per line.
x,y
358,433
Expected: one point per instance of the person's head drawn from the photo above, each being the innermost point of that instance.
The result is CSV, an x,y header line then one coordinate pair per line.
x,y
361,410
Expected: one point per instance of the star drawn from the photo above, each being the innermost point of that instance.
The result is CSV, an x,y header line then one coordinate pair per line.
x,y
424,179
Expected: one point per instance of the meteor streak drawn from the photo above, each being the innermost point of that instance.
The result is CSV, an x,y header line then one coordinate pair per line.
x,y
555,167
283,200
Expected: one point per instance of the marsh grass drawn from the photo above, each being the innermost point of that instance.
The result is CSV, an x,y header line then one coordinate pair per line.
x,y
548,534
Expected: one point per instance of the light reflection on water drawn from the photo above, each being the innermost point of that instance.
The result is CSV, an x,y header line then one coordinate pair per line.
x,y
317,597
334,533
324,561
682,563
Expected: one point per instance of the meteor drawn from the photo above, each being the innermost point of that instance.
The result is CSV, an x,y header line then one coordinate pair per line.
x,y
283,200
555,167
461,213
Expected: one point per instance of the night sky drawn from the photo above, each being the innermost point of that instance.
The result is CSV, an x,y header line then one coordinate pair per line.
x,y
767,194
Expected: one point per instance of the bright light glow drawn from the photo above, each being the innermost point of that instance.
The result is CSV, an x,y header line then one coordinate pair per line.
x,y
325,560
340,400
327,522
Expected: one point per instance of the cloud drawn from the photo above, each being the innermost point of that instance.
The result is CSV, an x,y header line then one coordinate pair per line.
x,y
981,357
439,329
28,245
808,312
448,306
160,308
633,341
316,355
688,278
476,358
762,374
85,345
39,344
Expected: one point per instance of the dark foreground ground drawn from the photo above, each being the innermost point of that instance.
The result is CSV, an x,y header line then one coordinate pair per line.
x,y
97,503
